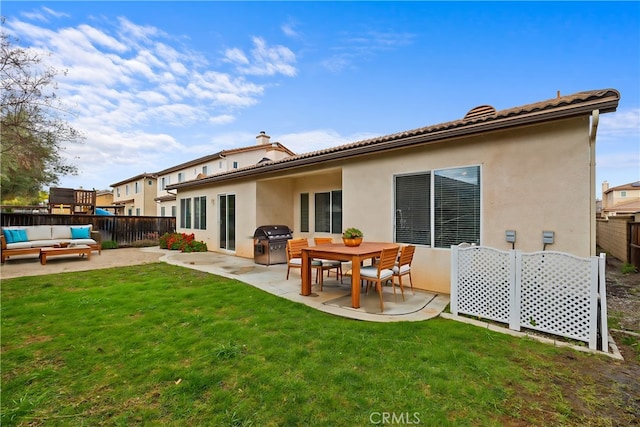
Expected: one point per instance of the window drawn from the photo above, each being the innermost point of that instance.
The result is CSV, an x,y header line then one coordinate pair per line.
x,y
200,213
126,189
235,165
204,170
623,194
439,208
180,177
163,211
173,211
413,209
304,212
328,212
136,187
185,213
130,211
137,211
117,191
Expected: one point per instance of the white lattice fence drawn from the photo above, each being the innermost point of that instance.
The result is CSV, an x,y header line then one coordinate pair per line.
x,y
548,291
484,278
559,294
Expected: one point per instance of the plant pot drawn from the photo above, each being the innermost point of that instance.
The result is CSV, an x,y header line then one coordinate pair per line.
x,y
352,242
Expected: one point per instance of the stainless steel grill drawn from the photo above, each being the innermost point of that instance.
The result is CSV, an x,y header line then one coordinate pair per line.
x,y
270,244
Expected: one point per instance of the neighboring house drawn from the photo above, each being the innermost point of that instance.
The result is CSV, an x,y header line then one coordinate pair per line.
x,y
468,180
620,200
104,198
262,151
135,196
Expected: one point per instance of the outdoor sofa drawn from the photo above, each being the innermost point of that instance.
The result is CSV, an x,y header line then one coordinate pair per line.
x,y
25,240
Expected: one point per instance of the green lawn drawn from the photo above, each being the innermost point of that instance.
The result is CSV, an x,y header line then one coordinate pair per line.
x,y
159,344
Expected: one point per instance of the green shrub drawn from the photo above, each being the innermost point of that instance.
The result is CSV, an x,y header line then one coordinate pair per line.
x,y
628,268
109,244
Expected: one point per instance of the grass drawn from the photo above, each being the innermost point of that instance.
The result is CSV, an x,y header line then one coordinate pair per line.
x,y
159,344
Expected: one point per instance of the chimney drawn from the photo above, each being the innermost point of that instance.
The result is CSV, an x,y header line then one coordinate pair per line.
x,y
263,138
605,187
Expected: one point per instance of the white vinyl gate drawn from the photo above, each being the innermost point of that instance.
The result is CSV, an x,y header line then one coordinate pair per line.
x,y
548,291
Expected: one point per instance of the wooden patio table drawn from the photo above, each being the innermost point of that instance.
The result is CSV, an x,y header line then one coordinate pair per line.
x,y
341,252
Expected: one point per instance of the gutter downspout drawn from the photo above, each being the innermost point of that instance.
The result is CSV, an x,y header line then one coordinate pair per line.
x,y
595,119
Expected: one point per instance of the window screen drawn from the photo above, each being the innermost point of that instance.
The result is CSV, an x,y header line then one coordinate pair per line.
x,y
457,206
413,211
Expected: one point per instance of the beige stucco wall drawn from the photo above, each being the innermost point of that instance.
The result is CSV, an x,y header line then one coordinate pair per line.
x,y
245,215
532,179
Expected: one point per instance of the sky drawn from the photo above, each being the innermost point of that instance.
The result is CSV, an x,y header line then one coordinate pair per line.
x,y
154,84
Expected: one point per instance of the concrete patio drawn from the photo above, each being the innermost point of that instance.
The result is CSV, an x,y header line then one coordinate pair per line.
x,y
334,299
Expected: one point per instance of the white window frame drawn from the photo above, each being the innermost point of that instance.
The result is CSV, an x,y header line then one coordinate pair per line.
x,y
433,207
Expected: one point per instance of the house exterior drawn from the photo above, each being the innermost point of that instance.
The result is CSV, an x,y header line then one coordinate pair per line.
x,y
225,160
135,196
620,200
468,180
104,198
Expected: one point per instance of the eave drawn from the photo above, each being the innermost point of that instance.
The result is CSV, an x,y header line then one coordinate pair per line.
x,y
576,105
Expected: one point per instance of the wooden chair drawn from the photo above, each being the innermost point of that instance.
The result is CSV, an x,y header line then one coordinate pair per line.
x,y
381,272
403,268
329,264
294,258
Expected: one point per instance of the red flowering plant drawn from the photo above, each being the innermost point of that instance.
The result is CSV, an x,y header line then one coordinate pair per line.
x,y
182,242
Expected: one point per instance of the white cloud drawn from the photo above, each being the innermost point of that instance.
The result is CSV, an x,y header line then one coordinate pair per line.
x,y
264,60
304,142
358,47
624,122
289,31
137,91
102,39
236,56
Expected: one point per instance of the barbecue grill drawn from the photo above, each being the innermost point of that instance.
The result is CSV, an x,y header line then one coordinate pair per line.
x,y
270,244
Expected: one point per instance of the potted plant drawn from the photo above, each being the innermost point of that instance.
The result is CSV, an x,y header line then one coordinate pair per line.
x,y
352,237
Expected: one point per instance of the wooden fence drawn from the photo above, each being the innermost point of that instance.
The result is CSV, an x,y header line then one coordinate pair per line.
x,y
125,230
619,236
634,243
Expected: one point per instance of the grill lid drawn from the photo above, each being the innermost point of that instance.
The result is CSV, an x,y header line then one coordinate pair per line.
x,y
272,232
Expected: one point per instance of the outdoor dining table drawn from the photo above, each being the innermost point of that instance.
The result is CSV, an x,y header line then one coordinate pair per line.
x,y
341,252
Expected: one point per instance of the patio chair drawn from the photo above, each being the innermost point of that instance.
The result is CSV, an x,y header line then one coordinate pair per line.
x,y
403,268
294,258
381,272
329,264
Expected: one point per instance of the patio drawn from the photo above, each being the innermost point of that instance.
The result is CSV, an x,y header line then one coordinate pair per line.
x,y
335,298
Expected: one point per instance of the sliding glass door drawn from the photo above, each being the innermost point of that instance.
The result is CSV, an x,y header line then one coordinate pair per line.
x,y
227,212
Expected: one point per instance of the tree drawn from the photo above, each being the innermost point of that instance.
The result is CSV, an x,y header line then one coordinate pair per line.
x,y
33,129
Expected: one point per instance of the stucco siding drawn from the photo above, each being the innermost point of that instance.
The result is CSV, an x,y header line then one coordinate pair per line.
x,y
274,203
533,179
245,210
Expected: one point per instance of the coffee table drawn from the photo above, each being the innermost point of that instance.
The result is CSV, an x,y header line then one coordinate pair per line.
x,y
69,250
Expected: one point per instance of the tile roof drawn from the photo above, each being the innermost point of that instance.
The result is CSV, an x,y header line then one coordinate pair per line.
x,y
623,187
483,120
